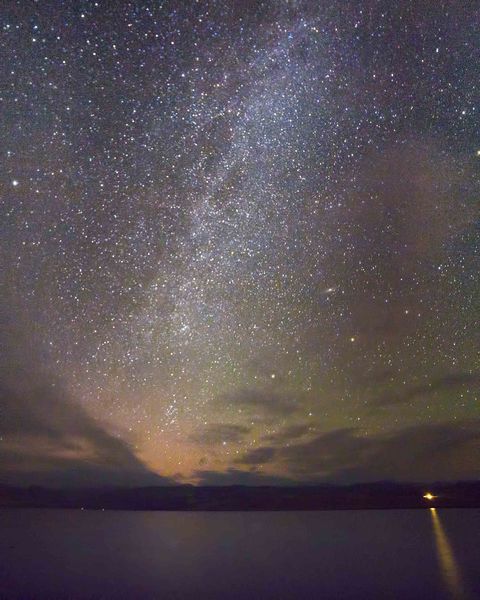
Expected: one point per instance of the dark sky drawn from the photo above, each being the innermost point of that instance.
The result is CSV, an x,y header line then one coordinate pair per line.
x,y
239,241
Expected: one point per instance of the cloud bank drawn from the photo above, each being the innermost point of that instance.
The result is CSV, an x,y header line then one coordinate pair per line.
x,y
426,452
48,438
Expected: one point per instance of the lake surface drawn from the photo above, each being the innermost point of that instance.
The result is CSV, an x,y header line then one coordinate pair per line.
x,y
262,555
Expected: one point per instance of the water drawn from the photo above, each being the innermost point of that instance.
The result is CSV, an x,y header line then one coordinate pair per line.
x,y
333,554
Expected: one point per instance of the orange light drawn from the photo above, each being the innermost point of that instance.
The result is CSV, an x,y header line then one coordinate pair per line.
x,y
429,496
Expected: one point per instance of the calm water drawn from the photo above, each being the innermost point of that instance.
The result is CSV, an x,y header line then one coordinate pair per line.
x,y
343,554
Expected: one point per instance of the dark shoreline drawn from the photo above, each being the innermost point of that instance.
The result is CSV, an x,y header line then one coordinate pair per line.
x,y
375,496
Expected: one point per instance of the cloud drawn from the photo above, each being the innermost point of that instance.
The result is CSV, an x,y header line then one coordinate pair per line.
x,y
48,438
216,433
411,204
423,452
409,196
258,456
262,402
290,433
428,452
446,382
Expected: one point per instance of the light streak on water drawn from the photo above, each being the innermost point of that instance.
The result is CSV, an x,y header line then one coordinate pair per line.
x,y
446,558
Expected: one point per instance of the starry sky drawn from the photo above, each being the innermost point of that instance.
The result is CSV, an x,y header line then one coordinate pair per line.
x,y
239,241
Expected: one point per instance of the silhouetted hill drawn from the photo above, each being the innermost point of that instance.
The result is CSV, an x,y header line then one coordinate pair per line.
x,y
381,495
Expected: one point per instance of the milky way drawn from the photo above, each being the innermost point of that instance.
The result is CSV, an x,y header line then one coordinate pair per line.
x,y
240,240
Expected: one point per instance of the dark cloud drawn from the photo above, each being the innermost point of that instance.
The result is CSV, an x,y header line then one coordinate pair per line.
x,y
48,438
266,403
216,433
258,456
441,451
446,382
423,452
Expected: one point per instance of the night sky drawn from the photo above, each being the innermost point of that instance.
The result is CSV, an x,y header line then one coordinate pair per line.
x,y
239,241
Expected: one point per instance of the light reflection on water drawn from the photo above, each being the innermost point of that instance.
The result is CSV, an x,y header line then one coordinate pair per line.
x,y
448,563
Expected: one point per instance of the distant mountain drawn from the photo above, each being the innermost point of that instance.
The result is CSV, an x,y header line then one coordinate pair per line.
x,y
380,495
